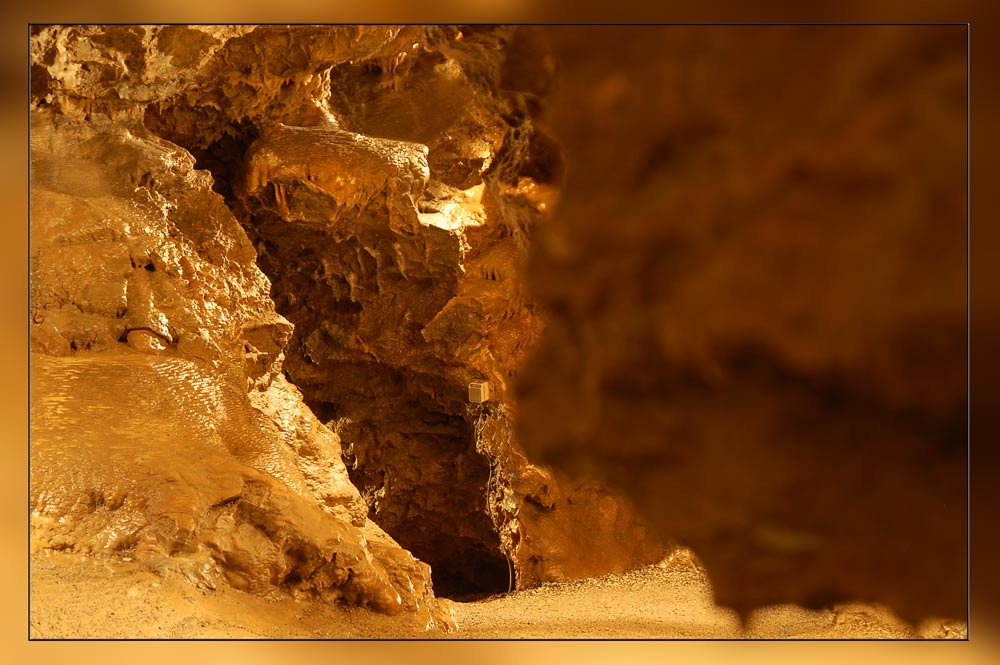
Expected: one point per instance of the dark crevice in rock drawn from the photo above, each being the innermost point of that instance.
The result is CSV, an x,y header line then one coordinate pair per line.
x,y
391,199
401,422
224,158
416,465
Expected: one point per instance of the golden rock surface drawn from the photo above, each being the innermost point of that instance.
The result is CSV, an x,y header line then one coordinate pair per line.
x,y
162,427
267,261
371,174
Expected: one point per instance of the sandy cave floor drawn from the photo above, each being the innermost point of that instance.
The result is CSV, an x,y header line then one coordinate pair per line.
x,y
93,597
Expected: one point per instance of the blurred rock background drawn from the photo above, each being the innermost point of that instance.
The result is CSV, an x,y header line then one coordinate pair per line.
x,y
756,281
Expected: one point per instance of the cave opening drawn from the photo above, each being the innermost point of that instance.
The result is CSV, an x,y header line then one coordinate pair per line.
x,y
764,352
411,454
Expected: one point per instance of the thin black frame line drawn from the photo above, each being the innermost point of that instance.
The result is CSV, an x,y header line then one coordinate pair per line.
x,y
968,331
515,23
968,228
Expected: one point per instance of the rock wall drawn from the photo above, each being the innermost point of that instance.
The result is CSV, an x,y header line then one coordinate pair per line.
x,y
404,287
162,427
719,269
756,287
387,181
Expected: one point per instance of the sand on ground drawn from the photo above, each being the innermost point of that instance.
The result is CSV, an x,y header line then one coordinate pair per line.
x,y
73,596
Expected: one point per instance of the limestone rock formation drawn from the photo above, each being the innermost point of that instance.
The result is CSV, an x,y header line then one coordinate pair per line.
x,y
267,261
162,427
756,287
394,232
387,184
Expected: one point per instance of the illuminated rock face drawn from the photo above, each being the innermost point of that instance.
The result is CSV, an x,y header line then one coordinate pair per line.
x,y
162,426
268,262
397,254
388,191
757,282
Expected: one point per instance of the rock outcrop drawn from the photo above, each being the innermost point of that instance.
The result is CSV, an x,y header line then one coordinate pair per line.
x,y
162,426
394,230
267,262
387,186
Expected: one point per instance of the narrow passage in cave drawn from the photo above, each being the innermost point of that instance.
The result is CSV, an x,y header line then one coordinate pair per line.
x,y
410,453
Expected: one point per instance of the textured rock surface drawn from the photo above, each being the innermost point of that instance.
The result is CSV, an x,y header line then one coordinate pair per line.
x,y
162,427
756,280
389,180
394,235
745,310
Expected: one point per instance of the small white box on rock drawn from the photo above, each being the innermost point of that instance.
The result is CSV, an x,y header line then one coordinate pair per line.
x,y
479,391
